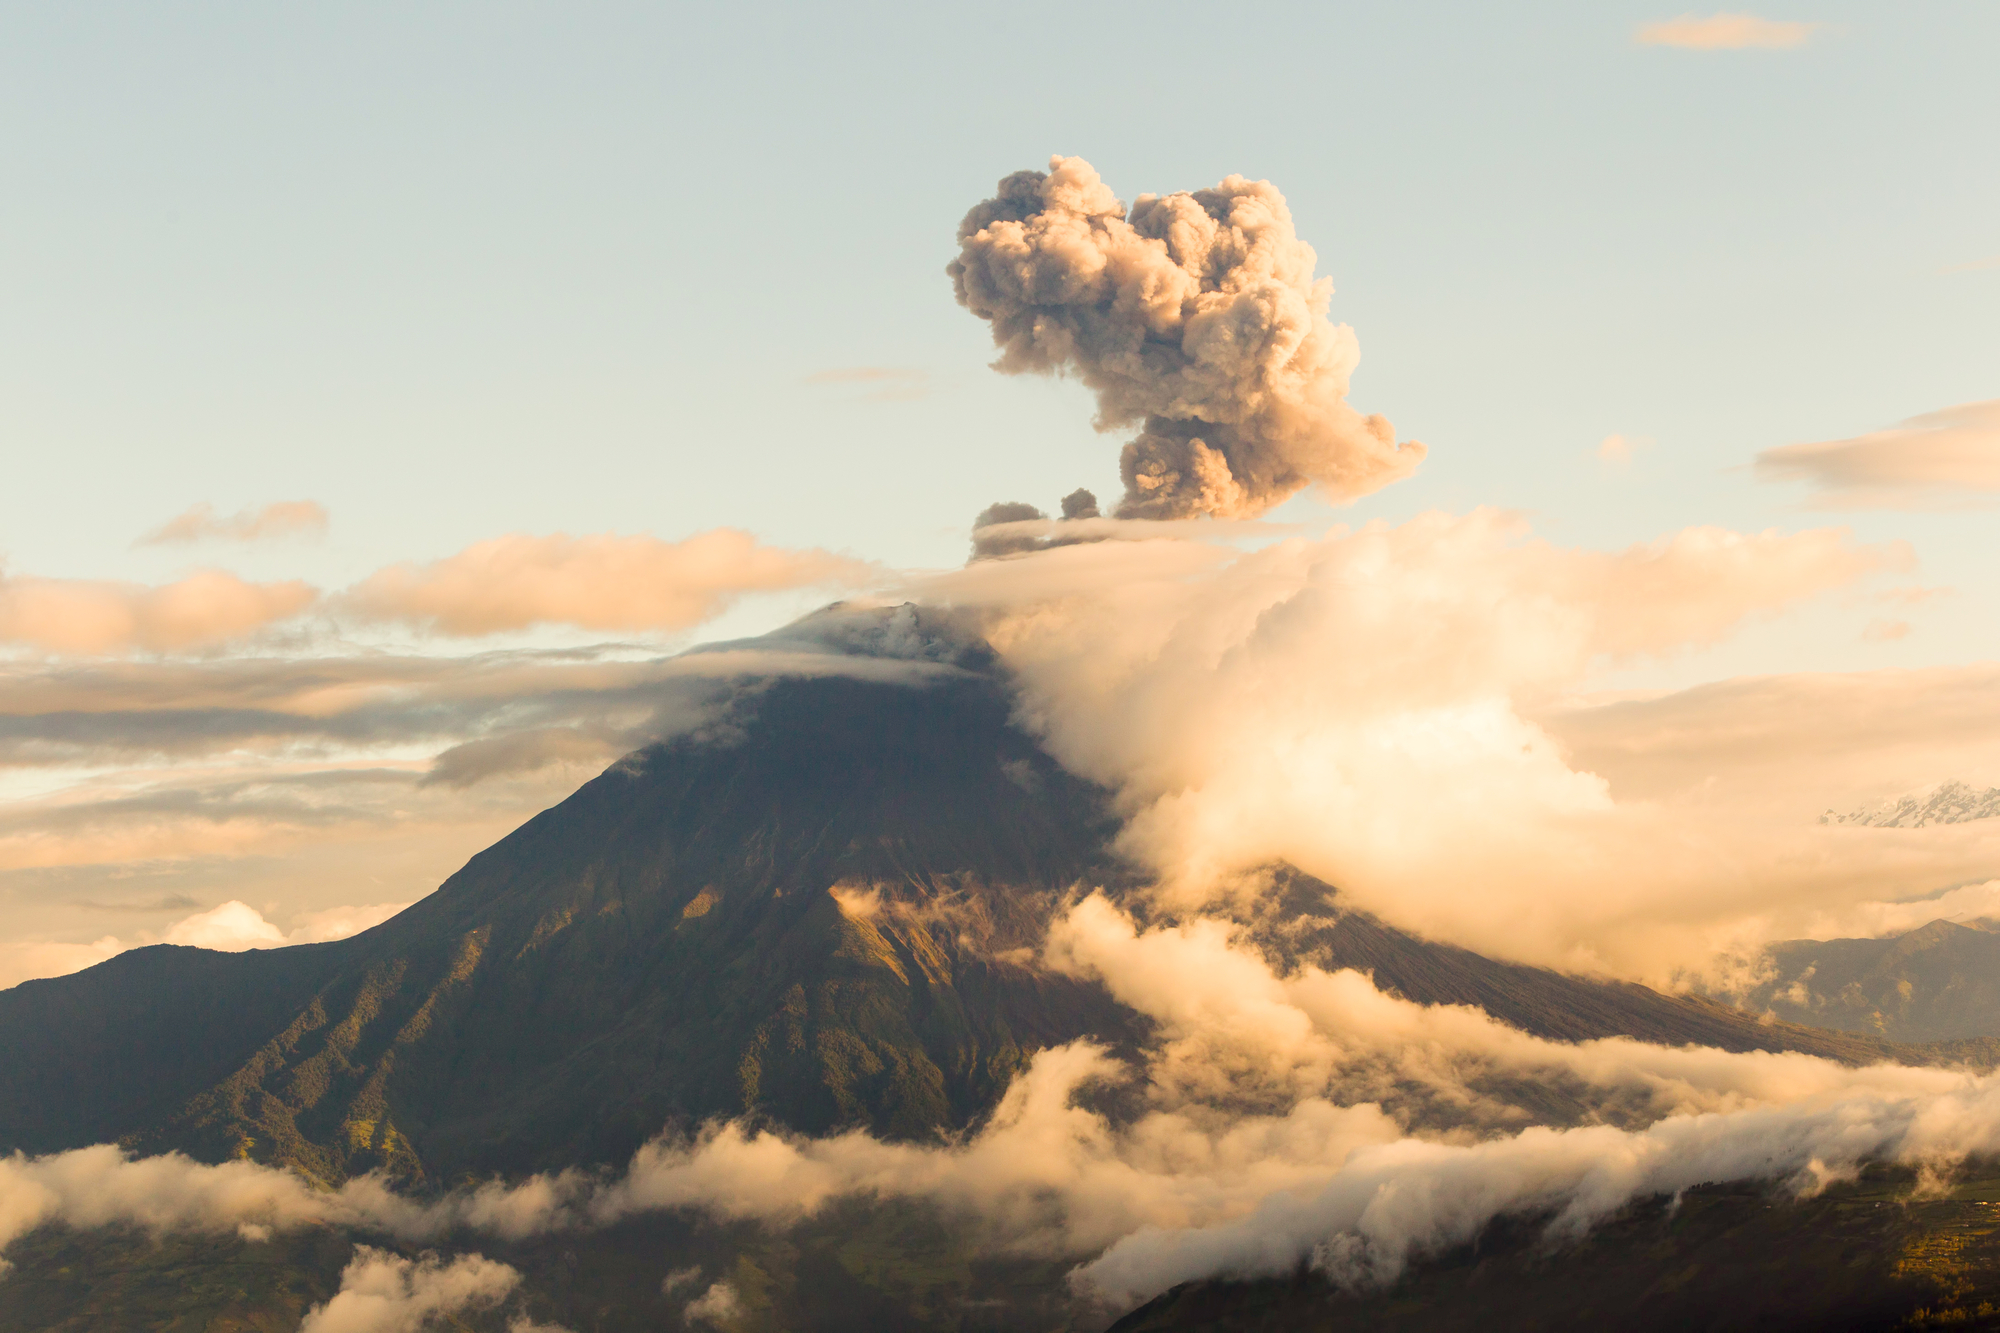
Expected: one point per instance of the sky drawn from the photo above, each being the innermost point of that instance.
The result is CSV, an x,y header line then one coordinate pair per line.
x,y
461,274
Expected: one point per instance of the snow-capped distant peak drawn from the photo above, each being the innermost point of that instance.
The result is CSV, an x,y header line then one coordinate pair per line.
x,y
1947,803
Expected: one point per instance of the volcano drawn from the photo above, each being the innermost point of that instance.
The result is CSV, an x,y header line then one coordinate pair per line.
x,y
818,908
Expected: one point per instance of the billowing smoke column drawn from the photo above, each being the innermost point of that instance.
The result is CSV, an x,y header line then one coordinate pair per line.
x,y
1195,316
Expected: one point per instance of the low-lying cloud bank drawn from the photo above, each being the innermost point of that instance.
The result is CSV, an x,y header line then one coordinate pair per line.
x,y
1281,1118
1401,1201
603,582
511,583
1374,707
1727,32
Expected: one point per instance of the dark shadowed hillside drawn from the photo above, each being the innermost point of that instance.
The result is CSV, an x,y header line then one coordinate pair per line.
x,y
1863,1256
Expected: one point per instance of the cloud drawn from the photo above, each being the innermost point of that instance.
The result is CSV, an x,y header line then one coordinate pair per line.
x,y
1875,920
102,1186
1727,32
1195,317
1391,1204
521,752
236,926
256,709
1260,1131
83,616
1974,266
603,582
204,781
1618,450
101,713
201,523
1363,706
1937,460
27,961
337,923
232,927
1789,746
382,1292
1885,631
172,902
719,1305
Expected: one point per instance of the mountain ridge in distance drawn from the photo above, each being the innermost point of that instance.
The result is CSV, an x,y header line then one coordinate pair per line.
x,y
1953,802
1937,983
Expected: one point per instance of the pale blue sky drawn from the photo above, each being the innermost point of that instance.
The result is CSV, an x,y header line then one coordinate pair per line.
x,y
458,270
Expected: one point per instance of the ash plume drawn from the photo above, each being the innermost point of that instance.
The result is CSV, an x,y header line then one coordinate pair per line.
x,y
1195,317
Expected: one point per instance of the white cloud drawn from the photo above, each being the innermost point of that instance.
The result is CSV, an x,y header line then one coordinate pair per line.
x,y
1195,1184
95,617
385,1293
1938,460
1365,706
201,522
232,927
1726,32
719,1305
602,582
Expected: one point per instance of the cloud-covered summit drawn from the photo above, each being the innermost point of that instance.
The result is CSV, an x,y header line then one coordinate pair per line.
x,y
1196,317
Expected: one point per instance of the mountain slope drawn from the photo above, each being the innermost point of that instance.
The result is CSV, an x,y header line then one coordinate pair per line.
x,y
1937,983
1864,1255
662,946
1308,925
819,908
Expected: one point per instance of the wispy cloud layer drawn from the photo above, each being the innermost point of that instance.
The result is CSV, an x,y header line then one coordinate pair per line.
x,y
513,583
87,617
1937,460
1363,706
286,518
604,582
152,788
1727,32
